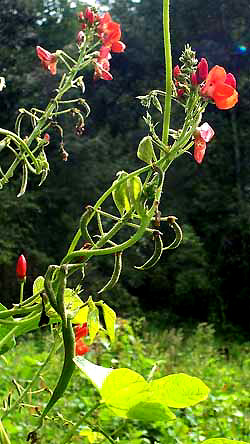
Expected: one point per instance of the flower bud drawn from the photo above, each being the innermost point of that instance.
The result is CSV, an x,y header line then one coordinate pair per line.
x,y
194,80
21,268
177,71
47,137
89,16
202,70
80,37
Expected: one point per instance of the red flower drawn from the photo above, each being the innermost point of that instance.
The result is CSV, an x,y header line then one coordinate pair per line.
x,y
110,33
48,59
80,333
102,65
21,268
219,88
203,134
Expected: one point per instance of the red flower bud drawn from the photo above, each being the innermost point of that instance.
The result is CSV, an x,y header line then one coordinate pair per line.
x,y
89,16
194,80
21,268
81,16
202,70
180,92
80,37
46,137
177,71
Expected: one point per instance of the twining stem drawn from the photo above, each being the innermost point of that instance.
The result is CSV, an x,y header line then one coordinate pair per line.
x,y
168,63
106,195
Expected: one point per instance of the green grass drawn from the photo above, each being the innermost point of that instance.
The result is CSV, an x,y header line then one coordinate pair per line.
x,y
225,368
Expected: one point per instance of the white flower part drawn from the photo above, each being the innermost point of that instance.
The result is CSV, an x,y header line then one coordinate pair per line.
x,y
206,132
2,83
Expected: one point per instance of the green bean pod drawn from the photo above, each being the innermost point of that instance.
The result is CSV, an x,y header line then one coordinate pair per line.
x,y
116,273
24,180
158,249
68,366
178,233
61,285
48,287
84,221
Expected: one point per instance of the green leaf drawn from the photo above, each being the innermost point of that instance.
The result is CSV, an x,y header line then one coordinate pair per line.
x,y
93,437
145,150
109,318
128,395
73,304
38,285
179,390
93,321
120,194
96,373
4,330
157,103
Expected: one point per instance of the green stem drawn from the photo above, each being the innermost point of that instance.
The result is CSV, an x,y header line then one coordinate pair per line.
x,y
168,63
97,428
123,246
82,419
106,195
4,439
8,336
21,291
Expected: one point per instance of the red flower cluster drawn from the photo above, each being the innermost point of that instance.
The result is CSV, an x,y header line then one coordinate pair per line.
x,y
215,84
80,332
203,134
48,59
109,33
21,268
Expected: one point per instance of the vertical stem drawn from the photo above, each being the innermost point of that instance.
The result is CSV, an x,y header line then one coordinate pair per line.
x,y
168,63
21,291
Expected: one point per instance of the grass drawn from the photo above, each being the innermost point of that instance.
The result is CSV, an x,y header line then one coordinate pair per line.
x,y
225,368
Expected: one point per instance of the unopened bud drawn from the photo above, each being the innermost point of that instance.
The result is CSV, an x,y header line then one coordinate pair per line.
x,y
202,70
177,71
89,16
194,80
80,37
21,268
47,137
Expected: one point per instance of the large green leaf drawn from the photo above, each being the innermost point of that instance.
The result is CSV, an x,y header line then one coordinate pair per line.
x,y
4,330
109,318
179,390
128,395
